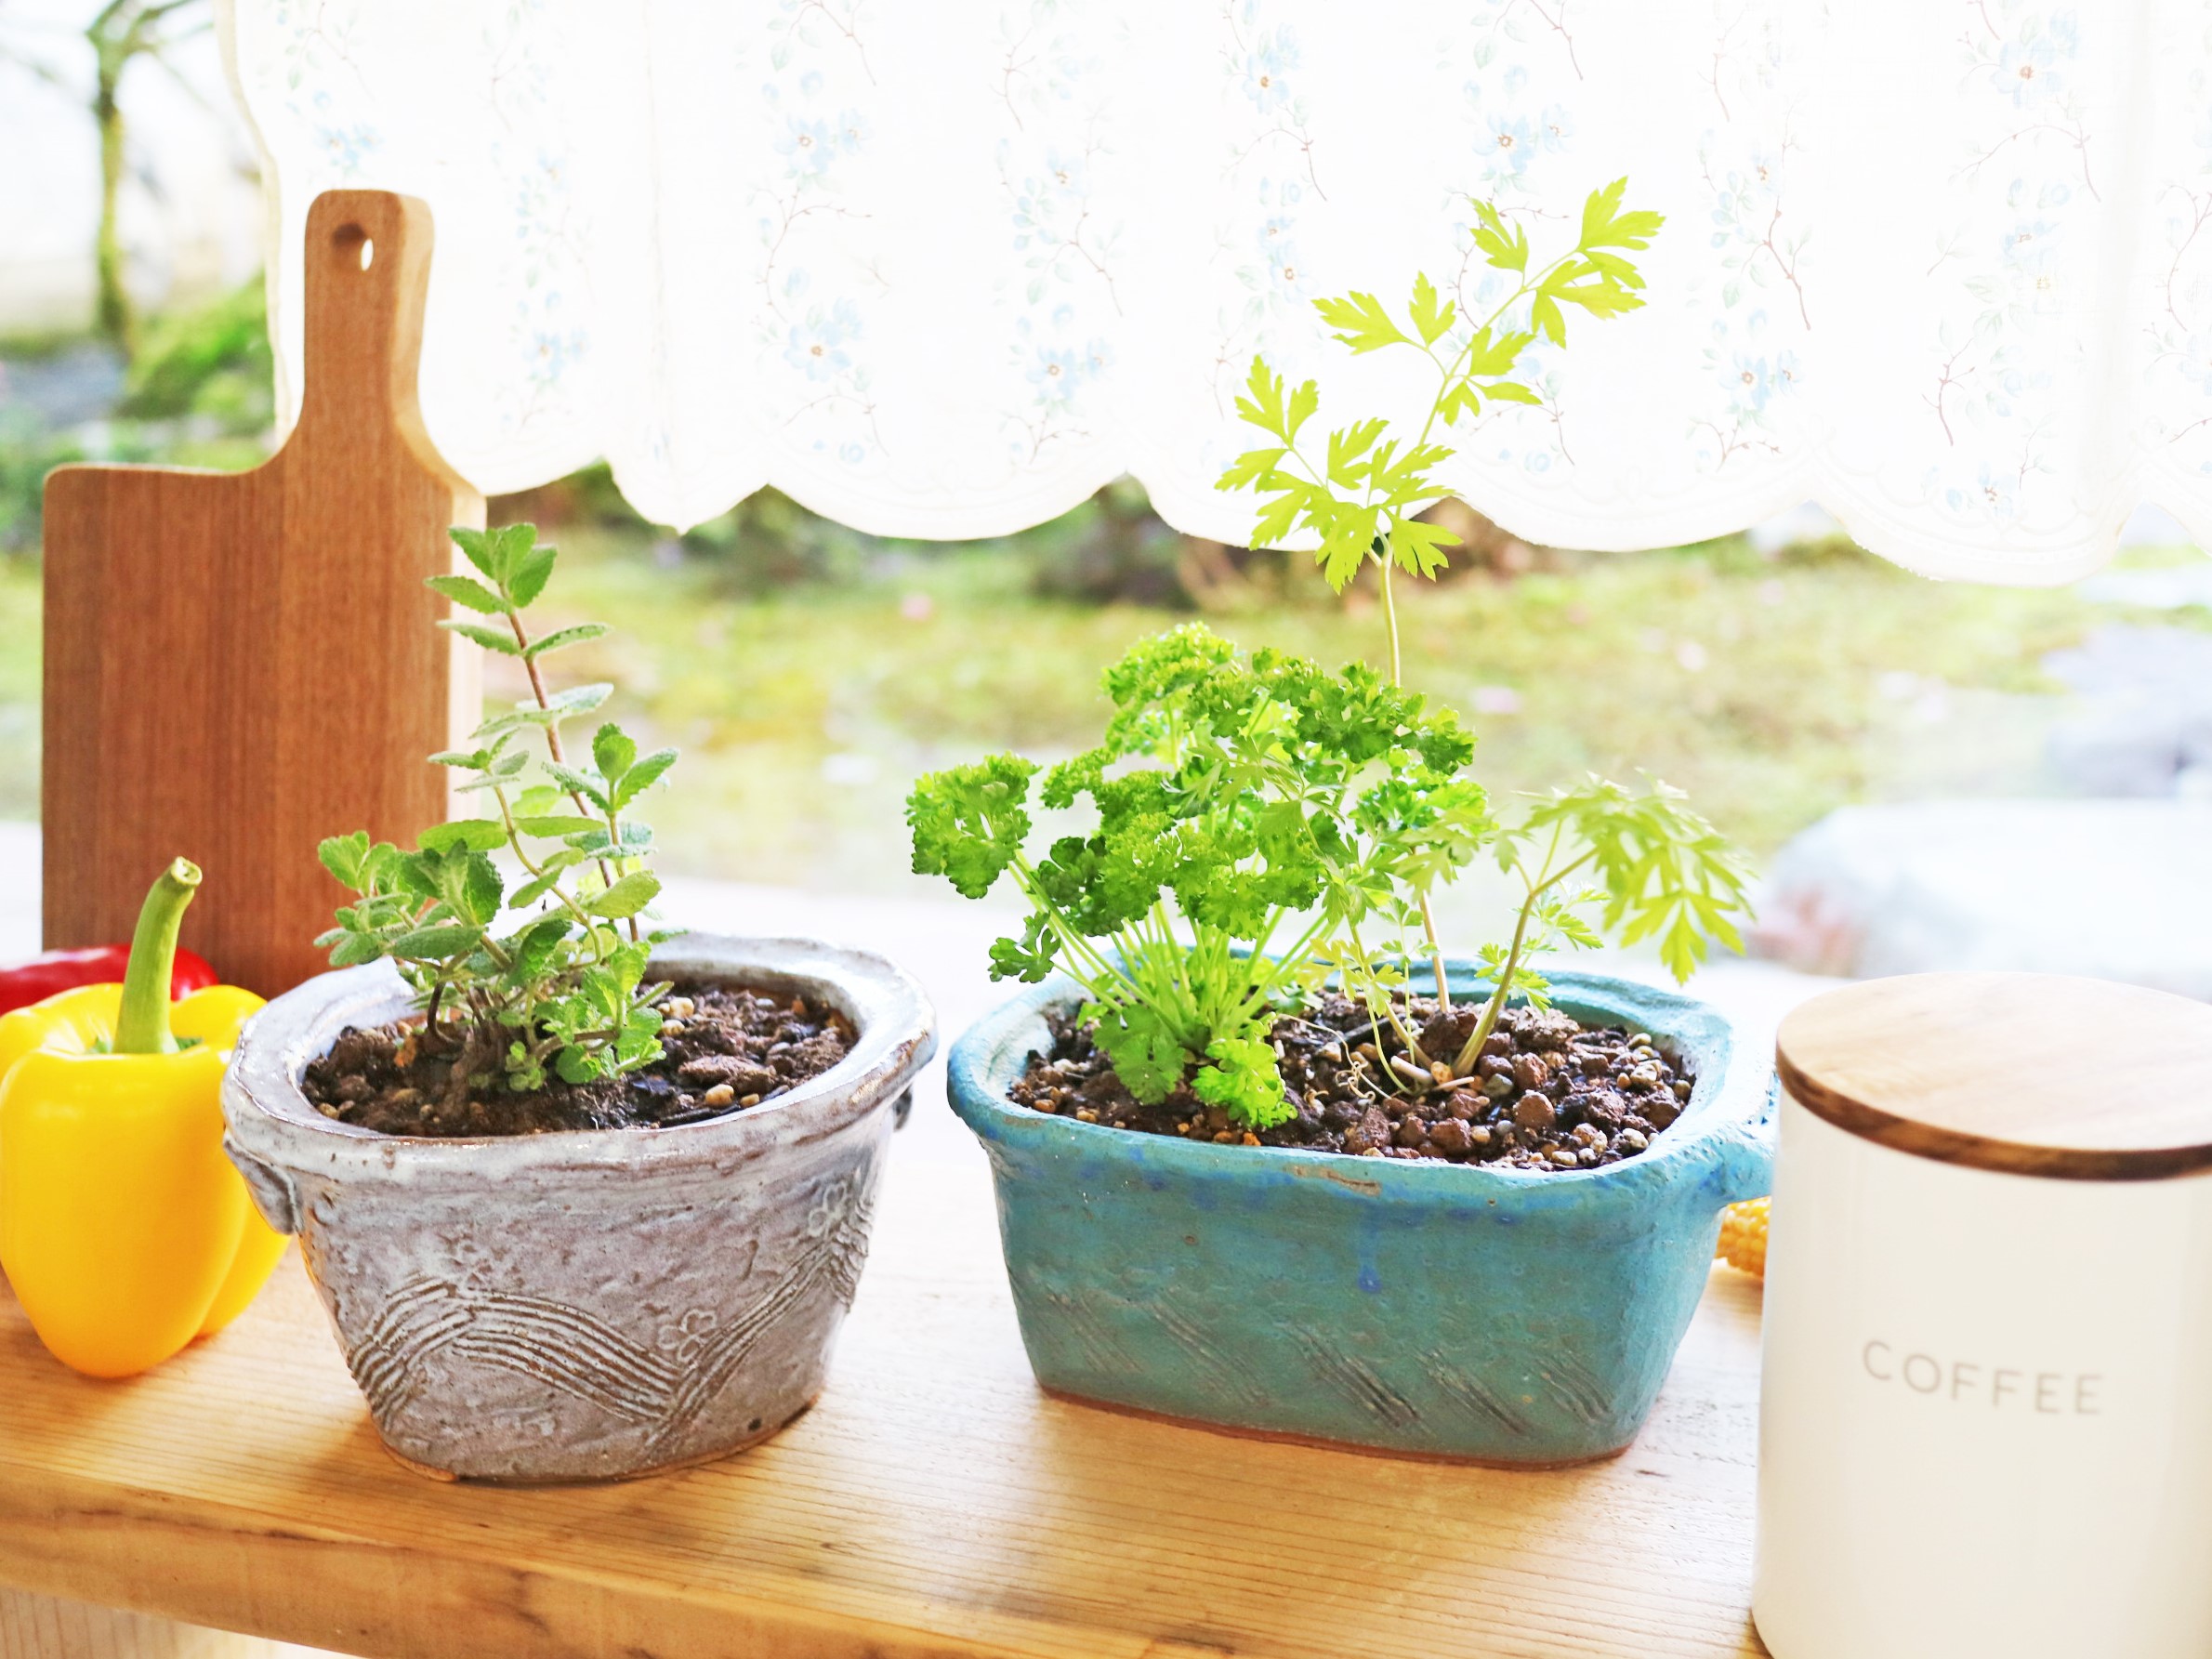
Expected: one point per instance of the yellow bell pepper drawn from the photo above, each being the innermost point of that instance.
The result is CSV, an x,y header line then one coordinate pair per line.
x,y
124,1230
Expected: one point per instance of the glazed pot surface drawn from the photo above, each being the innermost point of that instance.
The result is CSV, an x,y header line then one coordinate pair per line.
x,y
587,1305
1455,1310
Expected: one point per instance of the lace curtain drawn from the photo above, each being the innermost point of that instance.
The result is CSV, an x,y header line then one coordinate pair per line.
x,y
943,269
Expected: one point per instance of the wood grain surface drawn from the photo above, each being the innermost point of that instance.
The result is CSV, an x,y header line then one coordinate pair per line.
x,y
934,1504
46,1627
2031,1074
238,664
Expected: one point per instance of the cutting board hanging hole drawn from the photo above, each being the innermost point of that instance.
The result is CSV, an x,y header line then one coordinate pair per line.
x,y
356,248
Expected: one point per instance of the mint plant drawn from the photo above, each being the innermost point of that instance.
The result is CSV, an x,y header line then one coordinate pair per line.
x,y
549,978
1259,821
1661,871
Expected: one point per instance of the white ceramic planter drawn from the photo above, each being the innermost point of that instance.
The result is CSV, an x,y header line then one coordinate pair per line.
x,y
1986,1422
597,1304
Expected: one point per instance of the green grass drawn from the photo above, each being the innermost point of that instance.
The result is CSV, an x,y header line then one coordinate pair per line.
x,y
19,689
1768,690
1765,689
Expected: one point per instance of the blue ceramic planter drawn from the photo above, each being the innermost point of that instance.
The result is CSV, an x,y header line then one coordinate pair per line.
x,y
1448,1310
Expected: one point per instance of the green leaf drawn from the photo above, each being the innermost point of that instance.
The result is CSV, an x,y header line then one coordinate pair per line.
x,y
1250,468
636,840
480,890
1416,546
1603,225
552,825
511,544
347,857
563,637
1430,321
1244,1082
490,639
1029,958
1503,246
1361,322
1490,355
969,822
475,545
1265,407
1276,518
643,776
1348,541
576,699
530,571
476,835
1601,299
614,751
1460,399
581,783
627,896
1545,313
1511,392
1148,1056
465,591
1347,448
437,944
353,949
550,870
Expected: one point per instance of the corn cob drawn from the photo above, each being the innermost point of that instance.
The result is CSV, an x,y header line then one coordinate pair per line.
x,y
1744,1236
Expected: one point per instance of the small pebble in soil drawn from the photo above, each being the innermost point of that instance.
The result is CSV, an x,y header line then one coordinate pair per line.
x,y
1546,1095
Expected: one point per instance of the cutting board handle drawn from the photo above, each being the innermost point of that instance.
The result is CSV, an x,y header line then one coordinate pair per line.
x,y
368,277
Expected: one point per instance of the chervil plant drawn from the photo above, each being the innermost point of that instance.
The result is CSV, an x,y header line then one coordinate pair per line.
x,y
548,977
1364,496
1661,871
1258,822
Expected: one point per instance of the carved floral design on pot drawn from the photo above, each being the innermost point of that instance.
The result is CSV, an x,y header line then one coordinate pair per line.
x,y
571,1352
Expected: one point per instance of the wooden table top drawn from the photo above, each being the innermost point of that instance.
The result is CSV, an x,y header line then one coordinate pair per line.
x,y
933,1503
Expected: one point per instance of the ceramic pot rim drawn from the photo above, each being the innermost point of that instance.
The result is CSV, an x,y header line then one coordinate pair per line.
x,y
1725,1133
269,1119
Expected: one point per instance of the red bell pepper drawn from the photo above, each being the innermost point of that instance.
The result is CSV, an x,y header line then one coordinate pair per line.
x,y
98,965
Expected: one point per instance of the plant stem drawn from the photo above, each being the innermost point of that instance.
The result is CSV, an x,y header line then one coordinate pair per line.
x,y
142,1020
514,841
1376,994
1436,955
537,689
614,836
1472,1050
1390,620
1436,951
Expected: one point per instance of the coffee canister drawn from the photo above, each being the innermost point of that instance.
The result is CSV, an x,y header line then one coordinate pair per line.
x,y
1986,1406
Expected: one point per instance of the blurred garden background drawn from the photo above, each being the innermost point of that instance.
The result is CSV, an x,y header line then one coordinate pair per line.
x,y
808,672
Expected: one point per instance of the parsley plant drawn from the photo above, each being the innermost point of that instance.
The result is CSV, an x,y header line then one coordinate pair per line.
x,y
1259,821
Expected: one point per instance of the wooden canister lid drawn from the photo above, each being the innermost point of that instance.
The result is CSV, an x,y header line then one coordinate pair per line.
x,y
2027,1073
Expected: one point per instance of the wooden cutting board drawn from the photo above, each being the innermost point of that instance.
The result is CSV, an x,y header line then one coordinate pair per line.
x,y
238,664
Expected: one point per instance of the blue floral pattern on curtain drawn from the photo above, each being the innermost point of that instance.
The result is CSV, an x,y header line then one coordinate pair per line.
x,y
1945,266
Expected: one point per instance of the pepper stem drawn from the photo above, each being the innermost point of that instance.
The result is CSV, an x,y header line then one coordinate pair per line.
x,y
142,1024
